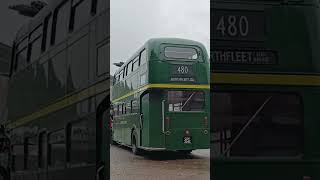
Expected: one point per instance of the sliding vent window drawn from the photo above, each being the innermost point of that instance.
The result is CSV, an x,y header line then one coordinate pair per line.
x,y
256,124
180,101
181,53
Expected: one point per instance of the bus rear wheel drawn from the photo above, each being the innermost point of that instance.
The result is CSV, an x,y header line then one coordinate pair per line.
x,y
135,149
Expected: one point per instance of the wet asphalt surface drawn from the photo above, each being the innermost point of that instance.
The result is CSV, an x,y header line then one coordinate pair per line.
x,y
158,165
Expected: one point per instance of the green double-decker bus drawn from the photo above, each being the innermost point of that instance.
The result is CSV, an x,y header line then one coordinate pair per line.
x,y
160,97
265,90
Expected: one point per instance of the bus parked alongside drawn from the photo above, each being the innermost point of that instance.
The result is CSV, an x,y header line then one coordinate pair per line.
x,y
160,97
59,93
265,81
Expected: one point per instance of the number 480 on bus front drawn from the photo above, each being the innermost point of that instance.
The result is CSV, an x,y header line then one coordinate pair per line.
x,y
233,26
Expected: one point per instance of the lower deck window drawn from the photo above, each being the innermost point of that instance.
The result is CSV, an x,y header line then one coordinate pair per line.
x,y
256,124
185,101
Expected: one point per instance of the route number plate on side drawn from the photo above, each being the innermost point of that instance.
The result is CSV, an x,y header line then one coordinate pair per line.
x,y
182,73
238,25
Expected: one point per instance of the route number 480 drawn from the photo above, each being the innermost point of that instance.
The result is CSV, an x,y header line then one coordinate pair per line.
x,y
183,69
233,25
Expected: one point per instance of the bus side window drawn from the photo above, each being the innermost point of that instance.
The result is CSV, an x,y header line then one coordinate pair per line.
x,y
21,55
35,44
60,22
129,68
57,148
118,77
80,13
46,34
135,63
122,108
124,72
80,140
131,104
32,153
119,109
42,155
121,75
129,107
143,57
115,110
134,106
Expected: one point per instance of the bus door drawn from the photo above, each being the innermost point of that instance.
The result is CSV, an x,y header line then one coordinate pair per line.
x,y
184,119
144,119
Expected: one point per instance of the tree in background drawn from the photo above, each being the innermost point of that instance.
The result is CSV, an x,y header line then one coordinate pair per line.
x,y
29,10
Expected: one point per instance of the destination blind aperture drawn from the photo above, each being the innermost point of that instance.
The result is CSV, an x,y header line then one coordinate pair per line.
x,y
243,57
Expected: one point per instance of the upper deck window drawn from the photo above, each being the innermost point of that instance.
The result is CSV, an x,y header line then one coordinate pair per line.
x,y
60,22
181,53
143,57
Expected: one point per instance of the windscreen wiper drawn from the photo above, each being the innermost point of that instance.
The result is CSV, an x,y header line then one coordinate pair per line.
x,y
187,100
247,125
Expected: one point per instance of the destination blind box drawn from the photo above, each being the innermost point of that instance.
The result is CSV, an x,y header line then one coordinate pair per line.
x,y
232,56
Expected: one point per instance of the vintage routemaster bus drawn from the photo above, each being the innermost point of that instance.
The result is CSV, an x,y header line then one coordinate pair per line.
x,y
59,93
265,89
160,97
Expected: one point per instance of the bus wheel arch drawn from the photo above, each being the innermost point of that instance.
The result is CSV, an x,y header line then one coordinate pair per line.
x,y
134,142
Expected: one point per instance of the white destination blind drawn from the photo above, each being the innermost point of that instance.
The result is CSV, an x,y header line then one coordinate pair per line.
x,y
243,57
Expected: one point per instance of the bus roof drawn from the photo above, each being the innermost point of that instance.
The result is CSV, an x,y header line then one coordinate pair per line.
x,y
156,42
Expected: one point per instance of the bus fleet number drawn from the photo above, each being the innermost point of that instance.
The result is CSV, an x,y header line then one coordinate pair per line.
x,y
233,25
183,69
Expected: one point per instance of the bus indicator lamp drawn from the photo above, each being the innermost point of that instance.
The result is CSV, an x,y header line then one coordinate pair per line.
x,y
206,121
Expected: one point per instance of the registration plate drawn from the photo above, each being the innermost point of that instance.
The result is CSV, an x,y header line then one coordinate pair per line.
x,y
238,25
187,140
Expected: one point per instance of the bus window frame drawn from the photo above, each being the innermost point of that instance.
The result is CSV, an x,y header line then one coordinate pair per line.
x,y
18,50
191,90
45,32
129,70
197,48
32,39
146,56
282,92
135,60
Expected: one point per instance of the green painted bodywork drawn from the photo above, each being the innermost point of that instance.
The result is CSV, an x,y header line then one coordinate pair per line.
x,y
292,30
149,101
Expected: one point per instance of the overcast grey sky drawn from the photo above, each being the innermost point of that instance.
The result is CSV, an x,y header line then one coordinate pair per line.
x,y
134,22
